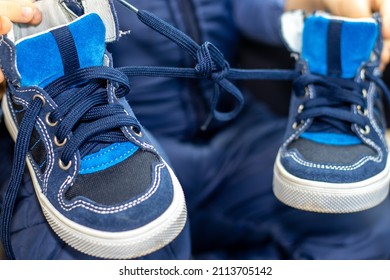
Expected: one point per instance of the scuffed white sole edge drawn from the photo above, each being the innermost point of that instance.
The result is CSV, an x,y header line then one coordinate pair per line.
x,y
325,197
122,245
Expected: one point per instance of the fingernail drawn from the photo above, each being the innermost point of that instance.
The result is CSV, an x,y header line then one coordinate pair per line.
x,y
27,12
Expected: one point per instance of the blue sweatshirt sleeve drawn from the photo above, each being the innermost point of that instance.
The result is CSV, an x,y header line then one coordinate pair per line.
x,y
259,19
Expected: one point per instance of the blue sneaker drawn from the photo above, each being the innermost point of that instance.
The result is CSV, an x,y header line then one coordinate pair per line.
x,y
101,184
334,158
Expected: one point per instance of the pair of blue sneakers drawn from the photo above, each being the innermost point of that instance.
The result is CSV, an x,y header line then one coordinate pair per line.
x,y
99,179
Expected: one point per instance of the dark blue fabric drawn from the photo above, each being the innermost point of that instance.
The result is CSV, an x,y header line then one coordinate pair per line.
x,y
67,48
334,48
259,20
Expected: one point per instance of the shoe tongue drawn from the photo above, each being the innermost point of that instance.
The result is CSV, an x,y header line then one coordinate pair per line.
x,y
46,56
332,46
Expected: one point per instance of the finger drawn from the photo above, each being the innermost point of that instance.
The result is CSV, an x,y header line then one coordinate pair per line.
x,y
353,9
385,57
1,81
5,25
37,18
21,12
385,14
2,85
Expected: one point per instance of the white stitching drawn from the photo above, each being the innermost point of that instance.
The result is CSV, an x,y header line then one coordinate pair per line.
x,y
113,147
12,56
115,209
51,156
371,93
354,166
48,101
109,163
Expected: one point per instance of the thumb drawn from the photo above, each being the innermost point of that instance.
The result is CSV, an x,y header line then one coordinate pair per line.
x,y
5,25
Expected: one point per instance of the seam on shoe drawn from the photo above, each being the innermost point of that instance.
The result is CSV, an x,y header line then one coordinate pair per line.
x,y
374,124
48,144
354,166
111,161
302,128
35,144
34,167
50,153
99,154
11,52
115,209
11,109
48,101
143,144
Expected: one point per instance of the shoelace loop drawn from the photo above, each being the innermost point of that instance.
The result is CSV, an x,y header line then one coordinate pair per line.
x,y
211,62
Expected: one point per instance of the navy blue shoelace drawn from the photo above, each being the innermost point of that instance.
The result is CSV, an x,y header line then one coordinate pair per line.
x,y
85,114
333,102
210,64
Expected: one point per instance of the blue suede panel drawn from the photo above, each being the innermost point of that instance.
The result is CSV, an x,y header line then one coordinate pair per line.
x,y
356,44
89,37
39,60
331,138
314,43
358,41
107,157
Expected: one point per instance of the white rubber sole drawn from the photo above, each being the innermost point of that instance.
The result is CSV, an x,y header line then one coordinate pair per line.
x,y
118,245
329,197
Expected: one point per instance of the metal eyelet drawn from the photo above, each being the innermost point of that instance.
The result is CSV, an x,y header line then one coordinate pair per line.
x,y
63,166
136,131
361,111
58,143
363,74
300,108
296,125
364,92
48,122
307,93
365,131
41,98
